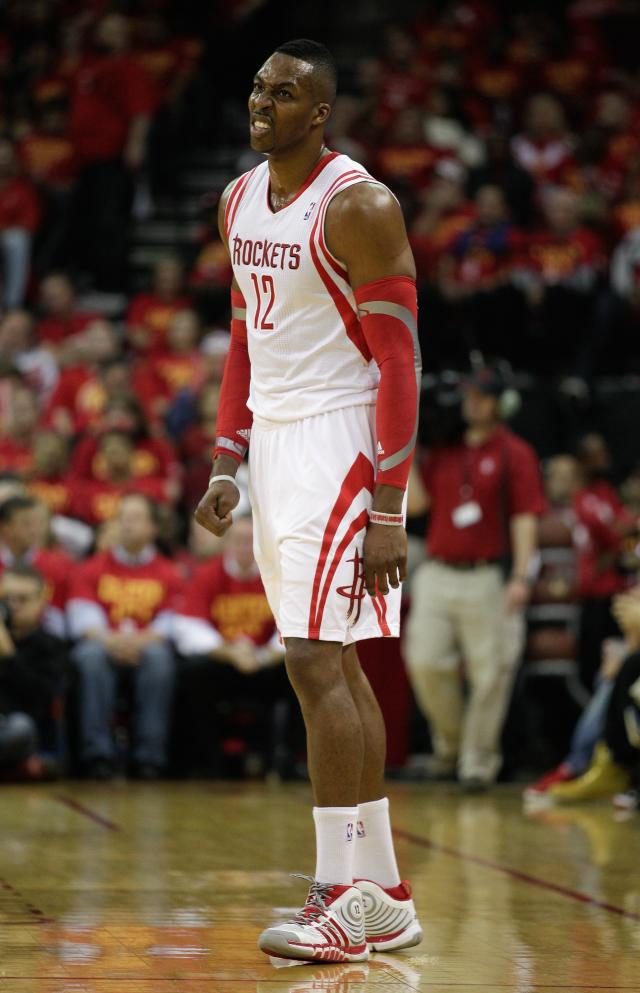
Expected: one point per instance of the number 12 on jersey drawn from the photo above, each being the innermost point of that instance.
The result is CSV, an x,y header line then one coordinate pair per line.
x,y
268,297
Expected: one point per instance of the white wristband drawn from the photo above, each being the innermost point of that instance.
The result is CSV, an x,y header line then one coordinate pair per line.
x,y
226,479
378,517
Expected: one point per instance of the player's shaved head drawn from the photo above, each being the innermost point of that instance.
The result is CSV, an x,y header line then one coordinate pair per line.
x,y
324,77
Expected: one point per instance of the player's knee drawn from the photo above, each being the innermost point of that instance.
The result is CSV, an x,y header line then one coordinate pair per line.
x,y
311,666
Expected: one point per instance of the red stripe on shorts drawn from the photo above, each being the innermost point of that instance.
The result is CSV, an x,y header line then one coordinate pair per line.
x,y
360,477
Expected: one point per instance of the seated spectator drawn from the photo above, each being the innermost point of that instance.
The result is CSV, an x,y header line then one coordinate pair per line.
x,y
120,615
180,367
153,455
603,523
590,727
442,129
18,348
228,635
616,762
404,160
196,444
500,169
46,152
19,221
51,162
545,147
49,480
60,317
149,314
475,275
444,215
562,266
20,431
21,543
33,664
96,373
95,501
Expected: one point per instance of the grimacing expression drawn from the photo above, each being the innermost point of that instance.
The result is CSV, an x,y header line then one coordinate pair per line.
x,y
284,104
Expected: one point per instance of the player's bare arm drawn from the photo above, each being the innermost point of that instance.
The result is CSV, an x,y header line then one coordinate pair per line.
x,y
366,231
214,512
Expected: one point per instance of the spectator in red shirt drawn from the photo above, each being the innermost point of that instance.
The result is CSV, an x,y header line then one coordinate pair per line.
x,y
153,455
19,220
226,631
49,480
181,367
562,267
96,501
120,612
484,494
20,430
111,105
149,314
94,375
20,535
602,523
60,317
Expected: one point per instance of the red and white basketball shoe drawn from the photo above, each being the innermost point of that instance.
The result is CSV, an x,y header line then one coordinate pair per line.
x,y
390,919
329,928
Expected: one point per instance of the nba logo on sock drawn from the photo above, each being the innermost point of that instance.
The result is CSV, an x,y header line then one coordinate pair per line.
x,y
350,831
360,829
309,210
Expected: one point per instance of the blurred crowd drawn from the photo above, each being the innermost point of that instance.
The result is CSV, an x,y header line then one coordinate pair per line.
x,y
511,139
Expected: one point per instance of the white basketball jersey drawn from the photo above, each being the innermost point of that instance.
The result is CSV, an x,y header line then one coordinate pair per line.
x,y
308,353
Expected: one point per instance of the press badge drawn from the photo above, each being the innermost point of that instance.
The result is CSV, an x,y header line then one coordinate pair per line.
x,y
466,514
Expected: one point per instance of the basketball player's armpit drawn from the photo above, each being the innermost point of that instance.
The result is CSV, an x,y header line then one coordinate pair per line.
x,y
233,426
388,312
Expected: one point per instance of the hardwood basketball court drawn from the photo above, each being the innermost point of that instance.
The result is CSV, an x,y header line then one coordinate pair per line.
x,y
164,888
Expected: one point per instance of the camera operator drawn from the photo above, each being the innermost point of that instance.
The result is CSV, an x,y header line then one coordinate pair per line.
x,y
32,665
483,492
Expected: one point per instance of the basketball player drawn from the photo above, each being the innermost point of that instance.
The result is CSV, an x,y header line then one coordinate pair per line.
x,y
322,372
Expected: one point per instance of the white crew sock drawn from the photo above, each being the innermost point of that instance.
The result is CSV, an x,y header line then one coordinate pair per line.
x,y
335,843
375,856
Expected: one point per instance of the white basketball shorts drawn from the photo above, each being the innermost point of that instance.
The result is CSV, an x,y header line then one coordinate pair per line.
x,y
311,484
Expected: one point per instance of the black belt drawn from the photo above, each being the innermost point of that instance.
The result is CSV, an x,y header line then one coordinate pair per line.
x,y
466,565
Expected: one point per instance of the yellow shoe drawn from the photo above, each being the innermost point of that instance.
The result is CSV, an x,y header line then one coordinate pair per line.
x,y
603,778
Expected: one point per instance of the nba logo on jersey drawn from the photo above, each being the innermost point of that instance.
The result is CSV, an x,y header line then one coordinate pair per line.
x,y
350,831
309,211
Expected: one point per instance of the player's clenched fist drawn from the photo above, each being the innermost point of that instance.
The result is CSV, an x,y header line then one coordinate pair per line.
x,y
214,510
385,558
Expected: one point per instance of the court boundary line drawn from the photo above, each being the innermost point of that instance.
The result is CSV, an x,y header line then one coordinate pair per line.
x,y
92,815
523,877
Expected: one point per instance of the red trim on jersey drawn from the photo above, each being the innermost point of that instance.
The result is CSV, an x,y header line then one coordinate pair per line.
x,y
343,306
313,175
359,477
236,196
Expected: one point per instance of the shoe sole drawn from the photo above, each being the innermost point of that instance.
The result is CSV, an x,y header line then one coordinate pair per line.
x,y
409,937
281,947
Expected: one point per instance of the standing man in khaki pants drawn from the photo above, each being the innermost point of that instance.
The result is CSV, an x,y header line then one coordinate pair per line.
x,y
483,494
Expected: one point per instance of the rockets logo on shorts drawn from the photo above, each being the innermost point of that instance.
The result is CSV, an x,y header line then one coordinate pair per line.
x,y
354,593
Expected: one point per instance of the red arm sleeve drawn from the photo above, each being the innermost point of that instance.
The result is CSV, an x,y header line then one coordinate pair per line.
x,y
388,313
233,426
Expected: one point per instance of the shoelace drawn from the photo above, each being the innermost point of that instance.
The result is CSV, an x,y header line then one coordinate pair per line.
x,y
315,904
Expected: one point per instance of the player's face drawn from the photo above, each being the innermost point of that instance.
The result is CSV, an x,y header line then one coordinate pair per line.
x,y
283,108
